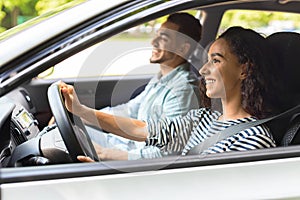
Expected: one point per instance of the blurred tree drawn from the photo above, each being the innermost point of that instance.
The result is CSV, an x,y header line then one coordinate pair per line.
x,y
14,12
12,9
43,6
256,19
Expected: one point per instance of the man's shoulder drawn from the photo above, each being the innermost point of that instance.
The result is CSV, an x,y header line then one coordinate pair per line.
x,y
187,76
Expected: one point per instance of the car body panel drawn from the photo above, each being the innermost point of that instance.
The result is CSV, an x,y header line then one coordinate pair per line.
x,y
251,180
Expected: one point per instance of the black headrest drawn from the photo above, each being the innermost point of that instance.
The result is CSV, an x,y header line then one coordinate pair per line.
x,y
198,57
286,46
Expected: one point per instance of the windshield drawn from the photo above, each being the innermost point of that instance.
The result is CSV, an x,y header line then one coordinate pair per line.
x,y
38,19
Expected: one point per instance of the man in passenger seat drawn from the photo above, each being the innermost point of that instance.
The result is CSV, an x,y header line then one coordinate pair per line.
x,y
236,72
173,92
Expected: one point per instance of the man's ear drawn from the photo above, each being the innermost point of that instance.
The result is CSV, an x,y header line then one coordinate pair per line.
x,y
184,49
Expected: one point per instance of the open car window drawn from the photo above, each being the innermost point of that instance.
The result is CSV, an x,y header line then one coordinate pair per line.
x,y
127,53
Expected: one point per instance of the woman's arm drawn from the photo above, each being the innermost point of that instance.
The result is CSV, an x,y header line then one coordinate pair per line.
x,y
126,127
169,135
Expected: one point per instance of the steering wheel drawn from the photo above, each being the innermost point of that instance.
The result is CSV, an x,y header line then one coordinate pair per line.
x,y
71,127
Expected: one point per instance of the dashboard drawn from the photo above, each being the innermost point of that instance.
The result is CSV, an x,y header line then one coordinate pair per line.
x,y
17,125
23,125
22,143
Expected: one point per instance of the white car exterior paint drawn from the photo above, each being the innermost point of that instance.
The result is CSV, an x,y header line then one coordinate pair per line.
x,y
251,180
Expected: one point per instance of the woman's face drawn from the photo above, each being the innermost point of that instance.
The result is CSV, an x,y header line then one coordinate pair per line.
x,y
223,73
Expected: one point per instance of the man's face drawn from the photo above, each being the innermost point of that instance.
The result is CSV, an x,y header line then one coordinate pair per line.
x,y
165,44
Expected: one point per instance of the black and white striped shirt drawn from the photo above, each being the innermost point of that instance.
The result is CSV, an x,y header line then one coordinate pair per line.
x,y
180,134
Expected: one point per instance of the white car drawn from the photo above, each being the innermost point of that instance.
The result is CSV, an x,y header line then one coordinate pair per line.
x,y
92,45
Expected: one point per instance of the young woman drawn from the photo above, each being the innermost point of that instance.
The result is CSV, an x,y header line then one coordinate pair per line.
x,y
236,72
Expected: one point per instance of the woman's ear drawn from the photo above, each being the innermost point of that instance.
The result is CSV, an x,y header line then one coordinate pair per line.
x,y
244,72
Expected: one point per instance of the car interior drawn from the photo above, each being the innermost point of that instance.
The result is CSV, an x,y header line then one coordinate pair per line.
x,y
22,129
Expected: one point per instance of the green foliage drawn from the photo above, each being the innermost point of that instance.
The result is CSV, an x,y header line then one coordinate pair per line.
x,y
43,6
14,12
26,6
258,19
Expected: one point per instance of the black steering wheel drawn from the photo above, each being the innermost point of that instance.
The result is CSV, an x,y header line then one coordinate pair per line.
x,y
71,127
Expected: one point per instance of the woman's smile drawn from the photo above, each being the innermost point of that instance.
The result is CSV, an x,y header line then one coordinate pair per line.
x,y
209,81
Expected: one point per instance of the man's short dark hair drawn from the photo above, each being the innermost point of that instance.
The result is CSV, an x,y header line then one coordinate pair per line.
x,y
188,25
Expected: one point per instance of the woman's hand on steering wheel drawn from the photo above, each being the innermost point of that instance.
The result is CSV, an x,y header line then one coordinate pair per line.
x,y
71,100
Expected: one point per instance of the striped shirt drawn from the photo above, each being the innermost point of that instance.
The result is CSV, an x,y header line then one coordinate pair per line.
x,y
180,134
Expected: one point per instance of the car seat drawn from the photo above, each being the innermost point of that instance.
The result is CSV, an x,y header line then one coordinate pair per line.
x,y
198,58
287,50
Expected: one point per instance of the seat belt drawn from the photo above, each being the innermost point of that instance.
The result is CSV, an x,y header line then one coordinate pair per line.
x,y
237,128
290,134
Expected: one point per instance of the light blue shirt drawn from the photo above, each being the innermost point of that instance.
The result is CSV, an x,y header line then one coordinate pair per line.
x,y
174,94
164,96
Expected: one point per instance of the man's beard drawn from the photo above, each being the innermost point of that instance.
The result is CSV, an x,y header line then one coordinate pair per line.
x,y
156,61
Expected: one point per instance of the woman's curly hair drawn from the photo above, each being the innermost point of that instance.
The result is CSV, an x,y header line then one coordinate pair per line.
x,y
252,49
